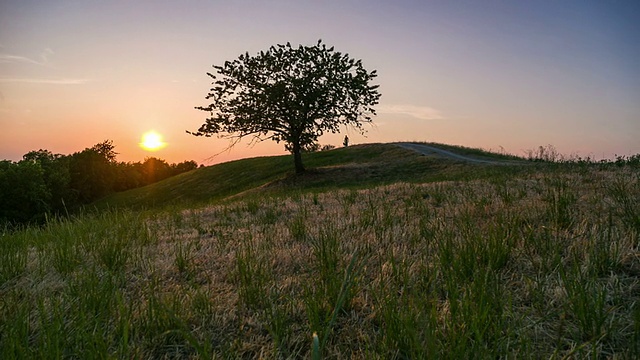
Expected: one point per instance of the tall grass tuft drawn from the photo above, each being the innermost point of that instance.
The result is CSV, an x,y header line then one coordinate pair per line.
x,y
252,275
13,258
626,201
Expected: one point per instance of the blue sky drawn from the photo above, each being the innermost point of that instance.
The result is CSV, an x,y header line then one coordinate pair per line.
x,y
490,74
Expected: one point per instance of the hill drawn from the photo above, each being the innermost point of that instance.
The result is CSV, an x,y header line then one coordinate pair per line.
x,y
378,253
357,167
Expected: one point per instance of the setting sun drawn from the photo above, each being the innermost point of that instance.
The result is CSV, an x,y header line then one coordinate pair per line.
x,y
152,141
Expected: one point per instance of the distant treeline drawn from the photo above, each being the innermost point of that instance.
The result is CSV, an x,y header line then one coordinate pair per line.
x,y
43,183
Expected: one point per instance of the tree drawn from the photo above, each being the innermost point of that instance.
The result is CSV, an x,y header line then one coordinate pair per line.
x,y
288,94
24,196
154,169
106,149
183,167
56,177
92,172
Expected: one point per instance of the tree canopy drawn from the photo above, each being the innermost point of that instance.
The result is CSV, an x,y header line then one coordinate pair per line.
x,y
291,95
44,183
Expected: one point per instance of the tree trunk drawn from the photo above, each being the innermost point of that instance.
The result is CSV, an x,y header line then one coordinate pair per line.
x,y
297,158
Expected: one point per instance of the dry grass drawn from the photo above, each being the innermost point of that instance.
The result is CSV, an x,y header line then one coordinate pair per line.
x,y
535,267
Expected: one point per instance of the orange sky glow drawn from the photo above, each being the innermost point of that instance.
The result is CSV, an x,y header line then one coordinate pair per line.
x,y
495,74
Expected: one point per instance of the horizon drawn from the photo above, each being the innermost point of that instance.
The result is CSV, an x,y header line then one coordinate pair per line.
x,y
495,75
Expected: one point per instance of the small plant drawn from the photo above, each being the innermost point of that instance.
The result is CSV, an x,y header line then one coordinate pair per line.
x,y
587,302
13,259
277,320
315,347
560,199
270,215
545,153
323,305
113,254
438,196
298,228
408,320
252,277
252,207
628,206
184,258
66,255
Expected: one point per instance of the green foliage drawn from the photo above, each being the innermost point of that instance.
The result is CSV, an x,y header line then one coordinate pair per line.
x,y
587,303
46,184
252,276
24,196
56,177
154,169
331,289
13,259
408,319
628,207
561,200
291,95
92,175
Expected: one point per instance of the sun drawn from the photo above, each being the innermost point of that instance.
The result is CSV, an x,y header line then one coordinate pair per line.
x,y
152,141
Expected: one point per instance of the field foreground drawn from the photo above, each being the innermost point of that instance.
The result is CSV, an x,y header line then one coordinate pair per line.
x,y
538,265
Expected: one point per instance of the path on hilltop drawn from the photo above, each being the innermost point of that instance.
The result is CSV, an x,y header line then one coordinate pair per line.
x,y
432,150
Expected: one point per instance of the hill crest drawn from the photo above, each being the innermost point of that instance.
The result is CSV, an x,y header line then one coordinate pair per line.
x,y
355,166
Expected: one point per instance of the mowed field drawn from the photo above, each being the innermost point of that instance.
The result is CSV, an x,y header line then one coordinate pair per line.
x,y
378,251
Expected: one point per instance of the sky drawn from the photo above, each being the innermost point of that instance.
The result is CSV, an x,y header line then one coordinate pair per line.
x,y
494,74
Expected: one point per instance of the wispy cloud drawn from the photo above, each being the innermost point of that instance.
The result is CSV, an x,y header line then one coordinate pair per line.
x,y
418,112
5,58
44,58
45,81
45,55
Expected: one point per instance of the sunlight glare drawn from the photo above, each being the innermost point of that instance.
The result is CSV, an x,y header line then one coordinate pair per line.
x,y
152,141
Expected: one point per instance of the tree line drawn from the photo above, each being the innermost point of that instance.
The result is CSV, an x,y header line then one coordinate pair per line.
x,y
46,184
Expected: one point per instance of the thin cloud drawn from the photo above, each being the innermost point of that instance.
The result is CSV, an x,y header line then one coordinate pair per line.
x,y
45,55
46,81
5,58
44,58
418,112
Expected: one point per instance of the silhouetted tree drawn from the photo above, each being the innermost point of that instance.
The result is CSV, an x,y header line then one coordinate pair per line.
x,y
56,177
46,183
183,167
289,94
24,196
154,169
129,175
92,175
106,149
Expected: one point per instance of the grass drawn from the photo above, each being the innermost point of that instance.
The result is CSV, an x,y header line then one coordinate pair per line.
x,y
477,153
357,167
541,262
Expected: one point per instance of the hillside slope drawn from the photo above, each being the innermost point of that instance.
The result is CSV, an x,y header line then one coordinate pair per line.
x,y
543,264
353,167
537,264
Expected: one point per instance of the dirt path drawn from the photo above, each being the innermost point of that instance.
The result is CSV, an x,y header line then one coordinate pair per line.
x,y
430,150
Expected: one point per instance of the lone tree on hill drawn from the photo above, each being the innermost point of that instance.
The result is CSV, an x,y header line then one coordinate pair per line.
x,y
288,94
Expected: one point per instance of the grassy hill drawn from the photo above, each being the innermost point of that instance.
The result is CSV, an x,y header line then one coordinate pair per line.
x,y
358,167
376,253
